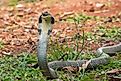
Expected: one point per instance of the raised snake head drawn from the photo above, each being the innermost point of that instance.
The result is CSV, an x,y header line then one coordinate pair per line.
x,y
47,17
45,23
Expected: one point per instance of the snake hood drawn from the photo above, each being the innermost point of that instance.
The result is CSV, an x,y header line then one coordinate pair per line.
x,y
45,22
46,17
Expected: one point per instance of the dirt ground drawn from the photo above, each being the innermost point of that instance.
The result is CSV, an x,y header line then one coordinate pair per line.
x,y
18,24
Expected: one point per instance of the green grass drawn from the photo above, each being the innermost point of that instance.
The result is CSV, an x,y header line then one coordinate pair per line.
x,y
15,68
15,2
29,1
1,45
79,18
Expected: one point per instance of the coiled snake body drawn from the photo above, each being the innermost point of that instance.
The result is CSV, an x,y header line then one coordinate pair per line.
x,y
45,23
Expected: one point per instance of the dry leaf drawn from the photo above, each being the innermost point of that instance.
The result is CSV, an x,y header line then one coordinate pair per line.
x,y
71,69
85,65
114,71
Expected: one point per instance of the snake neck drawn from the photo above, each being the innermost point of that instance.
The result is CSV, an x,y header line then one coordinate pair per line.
x,y
44,35
42,43
44,29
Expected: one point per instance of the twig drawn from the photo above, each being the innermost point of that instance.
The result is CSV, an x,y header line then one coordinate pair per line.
x,y
62,57
83,41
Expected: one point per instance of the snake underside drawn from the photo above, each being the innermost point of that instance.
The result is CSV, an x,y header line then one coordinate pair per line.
x,y
48,69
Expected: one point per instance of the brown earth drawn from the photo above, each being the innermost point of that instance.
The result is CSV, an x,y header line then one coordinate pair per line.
x,y
18,24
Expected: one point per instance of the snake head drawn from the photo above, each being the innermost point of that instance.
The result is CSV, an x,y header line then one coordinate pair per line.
x,y
47,17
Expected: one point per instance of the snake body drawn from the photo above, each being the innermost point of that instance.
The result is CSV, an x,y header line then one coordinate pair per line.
x,y
48,69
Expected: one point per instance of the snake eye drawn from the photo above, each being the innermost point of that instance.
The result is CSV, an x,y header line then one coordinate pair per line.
x,y
40,19
52,20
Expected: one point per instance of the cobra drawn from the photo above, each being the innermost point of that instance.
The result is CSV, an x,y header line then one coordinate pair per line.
x,y
48,69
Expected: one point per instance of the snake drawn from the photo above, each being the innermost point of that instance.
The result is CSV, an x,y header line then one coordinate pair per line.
x,y
48,69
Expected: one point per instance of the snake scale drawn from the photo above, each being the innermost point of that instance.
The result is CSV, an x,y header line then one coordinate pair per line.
x,y
48,69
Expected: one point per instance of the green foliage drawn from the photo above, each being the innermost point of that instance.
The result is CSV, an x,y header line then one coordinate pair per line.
x,y
16,69
29,1
1,45
91,36
62,51
113,33
104,34
13,2
79,18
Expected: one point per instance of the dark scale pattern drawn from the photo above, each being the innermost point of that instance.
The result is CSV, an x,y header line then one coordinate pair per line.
x,y
49,31
40,19
39,30
52,20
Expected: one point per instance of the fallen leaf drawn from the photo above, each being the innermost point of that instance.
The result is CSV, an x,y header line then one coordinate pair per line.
x,y
114,71
114,75
71,69
85,65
